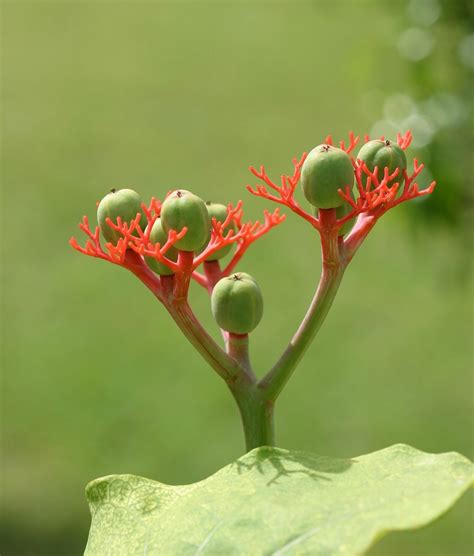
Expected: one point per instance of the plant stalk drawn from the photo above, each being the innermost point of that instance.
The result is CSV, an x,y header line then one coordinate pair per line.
x,y
257,416
332,272
256,412
255,399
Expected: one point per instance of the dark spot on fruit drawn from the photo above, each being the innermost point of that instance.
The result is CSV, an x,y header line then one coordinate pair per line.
x,y
113,190
387,142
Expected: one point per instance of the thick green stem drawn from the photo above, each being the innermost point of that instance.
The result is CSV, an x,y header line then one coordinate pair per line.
x,y
257,417
255,411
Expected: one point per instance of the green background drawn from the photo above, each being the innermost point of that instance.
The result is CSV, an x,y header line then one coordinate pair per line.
x,y
155,95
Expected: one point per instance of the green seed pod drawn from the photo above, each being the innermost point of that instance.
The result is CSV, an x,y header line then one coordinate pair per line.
x,y
237,303
181,209
219,212
326,170
384,154
158,235
125,203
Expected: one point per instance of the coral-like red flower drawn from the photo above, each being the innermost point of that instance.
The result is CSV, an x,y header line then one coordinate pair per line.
x,y
134,244
376,192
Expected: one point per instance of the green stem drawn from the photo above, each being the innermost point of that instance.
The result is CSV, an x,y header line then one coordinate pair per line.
x,y
234,366
278,376
257,419
255,411
332,272
184,317
238,349
188,323
255,399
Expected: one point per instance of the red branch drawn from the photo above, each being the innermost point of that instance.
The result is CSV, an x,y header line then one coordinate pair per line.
x,y
403,141
352,142
219,237
245,235
251,232
153,208
376,194
114,253
132,239
285,191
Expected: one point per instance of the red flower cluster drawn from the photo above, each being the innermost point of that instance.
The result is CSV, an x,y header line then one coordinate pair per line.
x,y
376,196
377,192
134,240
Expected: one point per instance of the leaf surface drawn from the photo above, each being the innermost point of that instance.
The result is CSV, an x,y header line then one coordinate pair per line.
x,y
277,502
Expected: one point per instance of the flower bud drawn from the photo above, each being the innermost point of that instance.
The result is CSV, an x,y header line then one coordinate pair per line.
x,y
237,303
184,209
384,154
158,235
219,212
326,170
124,203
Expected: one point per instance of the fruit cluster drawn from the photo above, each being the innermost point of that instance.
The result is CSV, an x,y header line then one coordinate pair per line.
x,y
166,245
328,169
170,240
236,299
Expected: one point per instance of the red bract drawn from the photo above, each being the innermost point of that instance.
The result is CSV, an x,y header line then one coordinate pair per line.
x,y
352,142
285,191
247,233
374,195
135,244
403,141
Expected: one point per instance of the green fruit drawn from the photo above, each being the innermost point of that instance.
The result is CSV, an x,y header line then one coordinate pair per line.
x,y
124,203
237,303
384,154
158,235
219,212
326,170
181,209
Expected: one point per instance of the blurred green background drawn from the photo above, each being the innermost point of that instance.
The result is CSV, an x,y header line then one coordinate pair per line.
x,y
154,95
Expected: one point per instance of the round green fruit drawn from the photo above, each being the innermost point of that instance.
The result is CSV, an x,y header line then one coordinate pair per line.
x,y
219,212
326,170
384,154
158,235
124,203
237,303
182,208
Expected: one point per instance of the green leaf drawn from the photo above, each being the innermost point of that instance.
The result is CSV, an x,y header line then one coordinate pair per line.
x,y
275,502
